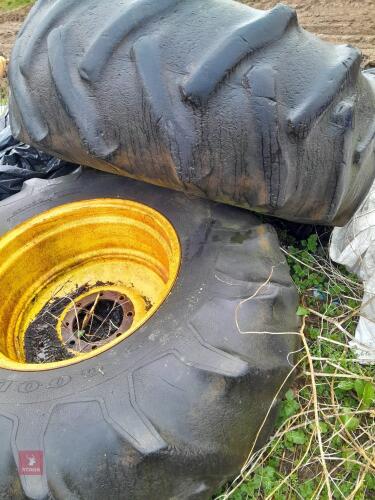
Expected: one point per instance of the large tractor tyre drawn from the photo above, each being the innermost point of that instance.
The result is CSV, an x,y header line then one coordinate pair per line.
x,y
167,406
211,97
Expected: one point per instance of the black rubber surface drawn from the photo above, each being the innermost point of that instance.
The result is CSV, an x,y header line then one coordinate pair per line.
x,y
212,97
172,411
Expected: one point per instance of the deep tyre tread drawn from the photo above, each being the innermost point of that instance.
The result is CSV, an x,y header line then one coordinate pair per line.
x,y
172,411
235,45
132,17
217,99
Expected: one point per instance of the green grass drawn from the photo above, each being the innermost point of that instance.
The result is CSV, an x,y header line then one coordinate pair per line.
x,y
324,443
6,5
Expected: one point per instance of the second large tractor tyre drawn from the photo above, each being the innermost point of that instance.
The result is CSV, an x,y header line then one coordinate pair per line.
x,y
212,97
166,401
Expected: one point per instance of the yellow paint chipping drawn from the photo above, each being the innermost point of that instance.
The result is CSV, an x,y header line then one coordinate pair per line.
x,y
129,247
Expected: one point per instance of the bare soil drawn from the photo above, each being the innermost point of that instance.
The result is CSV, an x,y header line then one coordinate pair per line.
x,y
339,21
10,23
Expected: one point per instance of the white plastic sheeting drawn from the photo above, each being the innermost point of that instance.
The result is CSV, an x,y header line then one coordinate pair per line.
x,y
354,246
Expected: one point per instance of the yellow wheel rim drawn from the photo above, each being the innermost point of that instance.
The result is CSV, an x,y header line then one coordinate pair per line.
x,y
80,278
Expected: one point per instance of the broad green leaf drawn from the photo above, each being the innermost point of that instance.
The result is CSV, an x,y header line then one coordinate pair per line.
x,y
302,311
296,437
289,395
350,422
368,395
307,489
349,455
323,427
370,481
287,409
359,385
268,478
312,243
346,385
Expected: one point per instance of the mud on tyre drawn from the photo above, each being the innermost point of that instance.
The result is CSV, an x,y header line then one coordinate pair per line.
x,y
172,410
235,104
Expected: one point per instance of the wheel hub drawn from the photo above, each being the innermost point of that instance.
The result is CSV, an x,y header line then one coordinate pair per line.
x,y
94,320
81,278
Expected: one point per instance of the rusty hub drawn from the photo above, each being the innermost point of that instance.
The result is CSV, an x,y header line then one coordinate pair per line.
x,y
94,320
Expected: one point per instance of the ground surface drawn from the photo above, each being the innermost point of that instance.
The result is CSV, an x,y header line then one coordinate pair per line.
x,y
10,22
339,21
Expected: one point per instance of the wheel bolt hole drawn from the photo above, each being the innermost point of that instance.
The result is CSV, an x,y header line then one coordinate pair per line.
x,y
72,342
129,314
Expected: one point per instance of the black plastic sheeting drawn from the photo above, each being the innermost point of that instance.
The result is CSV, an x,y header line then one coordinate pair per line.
x,y
20,162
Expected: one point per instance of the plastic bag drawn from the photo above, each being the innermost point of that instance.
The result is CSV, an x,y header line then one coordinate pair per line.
x,y
19,162
354,246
